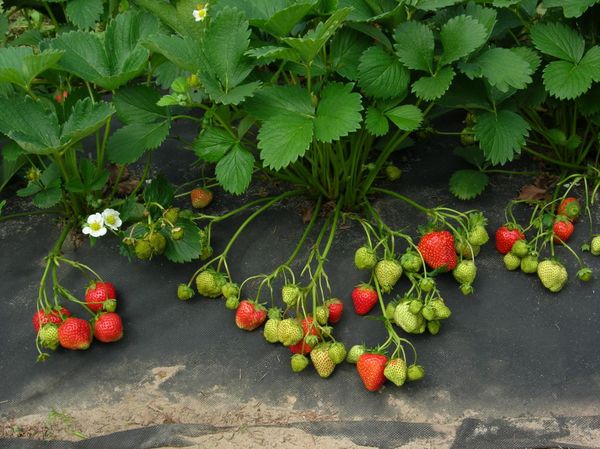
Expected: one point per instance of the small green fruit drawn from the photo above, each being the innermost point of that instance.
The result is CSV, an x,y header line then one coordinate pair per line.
x,y
184,292
232,302
520,248
299,362
143,250
415,372
393,173
355,352
337,352
365,258
511,262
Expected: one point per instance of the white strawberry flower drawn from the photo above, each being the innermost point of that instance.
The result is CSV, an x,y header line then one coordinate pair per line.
x,y
95,226
200,12
112,219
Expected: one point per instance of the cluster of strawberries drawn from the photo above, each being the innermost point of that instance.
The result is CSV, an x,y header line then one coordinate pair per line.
x,y
551,227
56,326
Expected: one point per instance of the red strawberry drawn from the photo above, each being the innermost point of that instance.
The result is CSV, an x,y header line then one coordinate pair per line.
x,y
336,307
364,298
370,369
250,315
75,333
201,198
42,317
563,229
307,324
506,236
437,249
108,328
298,348
97,293
570,208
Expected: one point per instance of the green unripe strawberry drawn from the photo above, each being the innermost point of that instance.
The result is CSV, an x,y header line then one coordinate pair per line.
x,y
274,313
232,302
171,215
355,352
387,273
415,372
395,371
467,137
337,352
184,292
209,283
389,310
289,332
270,331
478,236
409,322
311,340
466,251
428,312
442,311
411,262
520,248
434,327
511,262
427,284
291,294
552,274
48,336
465,272
393,173
322,315
415,306
595,245
365,258
299,362
529,264
585,274
177,233
206,252
143,250
321,360
230,289
158,242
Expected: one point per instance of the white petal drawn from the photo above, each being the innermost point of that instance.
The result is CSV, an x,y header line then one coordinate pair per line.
x,y
95,218
99,233
87,230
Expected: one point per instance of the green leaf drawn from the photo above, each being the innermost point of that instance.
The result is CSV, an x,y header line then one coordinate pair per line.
x,y
433,87
558,40
86,118
187,248
433,5
565,80
128,143
504,69
501,135
588,104
160,191
275,100
347,46
48,197
590,63
25,121
137,104
531,56
414,45
571,8
213,144
460,36
284,138
472,154
233,96
381,75
466,94
185,53
485,16
406,117
234,171
92,178
225,44
11,151
84,13
376,121
467,184
338,112
112,58
256,9
18,65
282,21
270,53
311,43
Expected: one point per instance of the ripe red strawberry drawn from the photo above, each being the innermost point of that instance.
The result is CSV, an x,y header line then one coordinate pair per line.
x,y
437,249
364,298
42,317
562,229
570,208
301,348
201,198
371,369
97,293
506,236
108,328
250,315
307,324
336,307
75,333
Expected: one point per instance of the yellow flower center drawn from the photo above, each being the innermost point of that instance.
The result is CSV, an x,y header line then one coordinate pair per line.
x,y
110,220
95,226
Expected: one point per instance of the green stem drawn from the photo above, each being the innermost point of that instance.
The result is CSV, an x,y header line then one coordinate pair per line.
x,y
553,161
403,198
27,214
